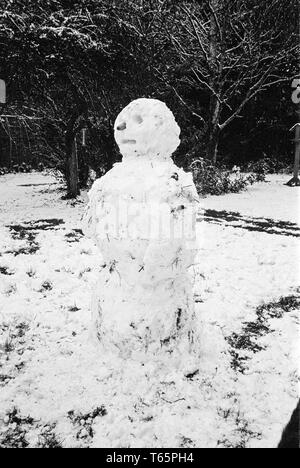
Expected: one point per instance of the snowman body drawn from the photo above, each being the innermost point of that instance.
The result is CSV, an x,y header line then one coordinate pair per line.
x,y
142,216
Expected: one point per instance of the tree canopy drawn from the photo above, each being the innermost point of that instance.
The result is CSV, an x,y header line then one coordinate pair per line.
x,y
224,66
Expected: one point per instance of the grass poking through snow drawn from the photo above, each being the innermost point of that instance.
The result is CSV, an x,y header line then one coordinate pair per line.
x,y
248,339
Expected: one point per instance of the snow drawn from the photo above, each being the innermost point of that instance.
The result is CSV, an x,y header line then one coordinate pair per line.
x,y
263,200
51,371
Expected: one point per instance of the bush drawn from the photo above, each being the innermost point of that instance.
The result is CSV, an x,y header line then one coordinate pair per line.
x,y
23,168
212,180
3,171
267,166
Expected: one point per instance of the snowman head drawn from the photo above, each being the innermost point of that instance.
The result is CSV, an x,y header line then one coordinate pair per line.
x,y
147,128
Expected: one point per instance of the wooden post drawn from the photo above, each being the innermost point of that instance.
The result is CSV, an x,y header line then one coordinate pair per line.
x,y
295,181
84,137
2,92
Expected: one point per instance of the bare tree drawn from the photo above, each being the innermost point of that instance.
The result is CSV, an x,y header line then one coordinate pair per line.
x,y
51,57
232,50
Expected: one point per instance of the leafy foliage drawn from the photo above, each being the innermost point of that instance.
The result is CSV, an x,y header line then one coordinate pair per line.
x,y
213,180
267,166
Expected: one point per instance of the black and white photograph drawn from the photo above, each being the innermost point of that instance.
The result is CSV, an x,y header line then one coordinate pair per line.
x,y
149,226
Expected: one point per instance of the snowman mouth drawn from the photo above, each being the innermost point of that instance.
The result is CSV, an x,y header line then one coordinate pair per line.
x,y
129,142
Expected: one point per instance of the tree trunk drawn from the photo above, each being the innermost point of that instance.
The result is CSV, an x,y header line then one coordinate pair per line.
x,y
84,168
214,130
72,163
212,146
215,106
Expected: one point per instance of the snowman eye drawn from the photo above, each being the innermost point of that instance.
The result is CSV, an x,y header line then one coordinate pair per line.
x,y
158,121
137,118
122,126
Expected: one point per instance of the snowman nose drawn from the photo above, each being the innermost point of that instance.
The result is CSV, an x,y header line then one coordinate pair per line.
x,y
121,127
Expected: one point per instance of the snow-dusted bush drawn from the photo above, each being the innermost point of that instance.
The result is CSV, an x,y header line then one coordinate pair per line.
x,y
212,180
265,166
22,168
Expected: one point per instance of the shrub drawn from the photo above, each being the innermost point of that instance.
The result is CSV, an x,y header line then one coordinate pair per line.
x,y
21,168
3,171
266,166
212,180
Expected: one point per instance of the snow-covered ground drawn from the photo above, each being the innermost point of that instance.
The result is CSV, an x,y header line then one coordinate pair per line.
x,y
55,388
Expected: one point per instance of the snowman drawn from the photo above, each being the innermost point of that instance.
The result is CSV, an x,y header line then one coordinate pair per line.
x,y
142,216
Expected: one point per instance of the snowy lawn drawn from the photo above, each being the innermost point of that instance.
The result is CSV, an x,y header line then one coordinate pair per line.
x,y
57,391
